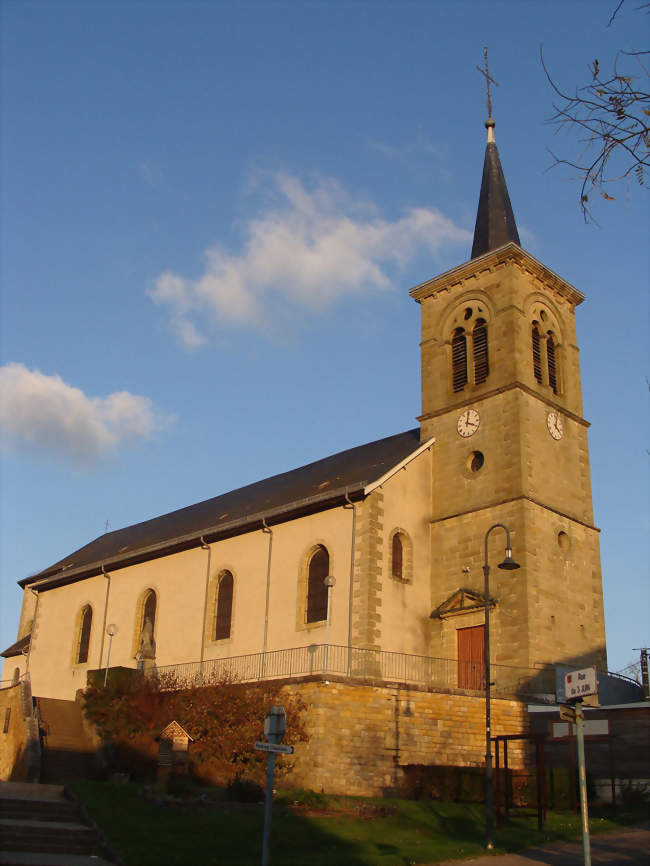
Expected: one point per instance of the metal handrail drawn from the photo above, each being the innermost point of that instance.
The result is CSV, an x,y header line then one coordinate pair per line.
x,y
356,662
7,684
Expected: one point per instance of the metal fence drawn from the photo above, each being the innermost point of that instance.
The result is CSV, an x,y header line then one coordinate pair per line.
x,y
366,664
7,684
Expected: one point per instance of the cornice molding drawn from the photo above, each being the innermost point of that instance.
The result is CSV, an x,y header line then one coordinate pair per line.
x,y
511,253
475,397
523,498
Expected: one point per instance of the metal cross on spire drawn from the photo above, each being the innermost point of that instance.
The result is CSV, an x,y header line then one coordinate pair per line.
x,y
488,80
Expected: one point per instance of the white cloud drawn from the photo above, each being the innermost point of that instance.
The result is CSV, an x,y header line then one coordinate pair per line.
x,y
41,412
306,249
412,148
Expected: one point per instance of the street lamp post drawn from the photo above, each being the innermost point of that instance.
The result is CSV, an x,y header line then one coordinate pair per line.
x,y
111,630
508,564
329,583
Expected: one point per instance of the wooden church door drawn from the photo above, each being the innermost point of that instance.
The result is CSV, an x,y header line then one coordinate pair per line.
x,y
471,658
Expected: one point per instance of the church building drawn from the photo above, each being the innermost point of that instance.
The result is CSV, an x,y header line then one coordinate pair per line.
x,y
373,557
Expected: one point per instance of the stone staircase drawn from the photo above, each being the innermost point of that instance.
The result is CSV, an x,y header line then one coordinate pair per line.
x,y
67,752
40,826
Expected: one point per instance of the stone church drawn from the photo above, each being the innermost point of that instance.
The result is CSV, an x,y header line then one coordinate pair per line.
x,y
370,561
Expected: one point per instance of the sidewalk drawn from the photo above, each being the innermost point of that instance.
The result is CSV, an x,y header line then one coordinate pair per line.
x,y
629,847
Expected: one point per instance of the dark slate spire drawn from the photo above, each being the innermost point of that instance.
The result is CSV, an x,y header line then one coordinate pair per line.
x,y
495,221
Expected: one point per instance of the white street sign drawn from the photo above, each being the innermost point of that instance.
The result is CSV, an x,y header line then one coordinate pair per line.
x,y
274,747
578,684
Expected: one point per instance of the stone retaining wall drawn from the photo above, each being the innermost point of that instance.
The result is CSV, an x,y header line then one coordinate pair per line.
x,y
362,736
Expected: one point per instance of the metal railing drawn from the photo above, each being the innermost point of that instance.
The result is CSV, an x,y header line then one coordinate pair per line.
x,y
7,684
360,663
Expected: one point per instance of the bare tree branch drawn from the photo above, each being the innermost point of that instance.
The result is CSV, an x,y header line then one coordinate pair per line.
x,y
612,116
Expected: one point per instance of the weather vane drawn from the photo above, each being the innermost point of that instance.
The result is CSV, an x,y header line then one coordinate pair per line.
x,y
488,80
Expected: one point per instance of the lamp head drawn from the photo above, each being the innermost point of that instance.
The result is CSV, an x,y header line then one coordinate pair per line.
x,y
329,581
508,563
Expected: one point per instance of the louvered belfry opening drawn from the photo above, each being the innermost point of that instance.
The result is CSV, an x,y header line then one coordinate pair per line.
x,y
84,634
398,556
552,370
223,618
481,362
319,566
459,360
537,353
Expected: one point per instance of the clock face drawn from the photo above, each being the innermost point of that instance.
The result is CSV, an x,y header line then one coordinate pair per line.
x,y
555,425
468,423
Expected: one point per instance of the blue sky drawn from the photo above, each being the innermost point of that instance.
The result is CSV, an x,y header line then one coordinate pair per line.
x,y
212,213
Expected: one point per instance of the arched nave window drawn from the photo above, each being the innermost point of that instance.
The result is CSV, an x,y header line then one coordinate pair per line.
x,y
317,571
223,613
149,610
84,634
397,557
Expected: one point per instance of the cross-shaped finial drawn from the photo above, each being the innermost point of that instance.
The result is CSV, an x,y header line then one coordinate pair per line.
x,y
488,80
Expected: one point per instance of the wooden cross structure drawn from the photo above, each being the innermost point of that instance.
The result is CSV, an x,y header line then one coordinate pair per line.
x,y
488,80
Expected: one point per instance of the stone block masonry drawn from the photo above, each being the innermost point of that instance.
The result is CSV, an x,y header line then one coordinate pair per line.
x,y
361,736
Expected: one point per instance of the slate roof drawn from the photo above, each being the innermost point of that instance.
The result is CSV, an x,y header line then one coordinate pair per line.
x,y
495,220
16,649
310,488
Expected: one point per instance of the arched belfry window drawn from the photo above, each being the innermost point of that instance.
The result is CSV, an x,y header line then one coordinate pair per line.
x,y
318,569
223,618
459,360
480,341
537,353
545,348
550,356
84,634
470,363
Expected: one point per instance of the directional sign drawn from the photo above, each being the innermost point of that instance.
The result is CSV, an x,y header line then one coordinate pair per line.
x,y
578,684
274,747
568,714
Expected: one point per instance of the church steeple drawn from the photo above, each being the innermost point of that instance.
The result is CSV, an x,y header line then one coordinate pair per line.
x,y
495,221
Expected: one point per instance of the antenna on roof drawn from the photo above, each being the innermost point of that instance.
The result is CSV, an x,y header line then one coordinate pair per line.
x,y
488,80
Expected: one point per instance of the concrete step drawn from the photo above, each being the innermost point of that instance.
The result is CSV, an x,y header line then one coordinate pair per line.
x,y
68,837
40,826
37,858
32,791
37,810
68,754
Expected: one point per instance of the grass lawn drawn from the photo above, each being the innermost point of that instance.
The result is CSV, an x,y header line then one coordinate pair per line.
x,y
353,832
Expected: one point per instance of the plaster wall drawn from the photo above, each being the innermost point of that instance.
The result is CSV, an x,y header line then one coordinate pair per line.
x,y
179,581
11,665
13,742
405,604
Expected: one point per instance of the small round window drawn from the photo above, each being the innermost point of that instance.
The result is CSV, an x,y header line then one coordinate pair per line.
x,y
475,461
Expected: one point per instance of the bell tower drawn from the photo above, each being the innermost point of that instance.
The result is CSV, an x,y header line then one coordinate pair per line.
x,y
501,394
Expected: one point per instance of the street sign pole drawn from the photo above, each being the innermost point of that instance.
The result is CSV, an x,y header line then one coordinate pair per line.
x,y
270,770
275,725
582,777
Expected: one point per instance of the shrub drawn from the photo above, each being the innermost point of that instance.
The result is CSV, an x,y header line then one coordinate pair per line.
x,y
242,790
223,718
